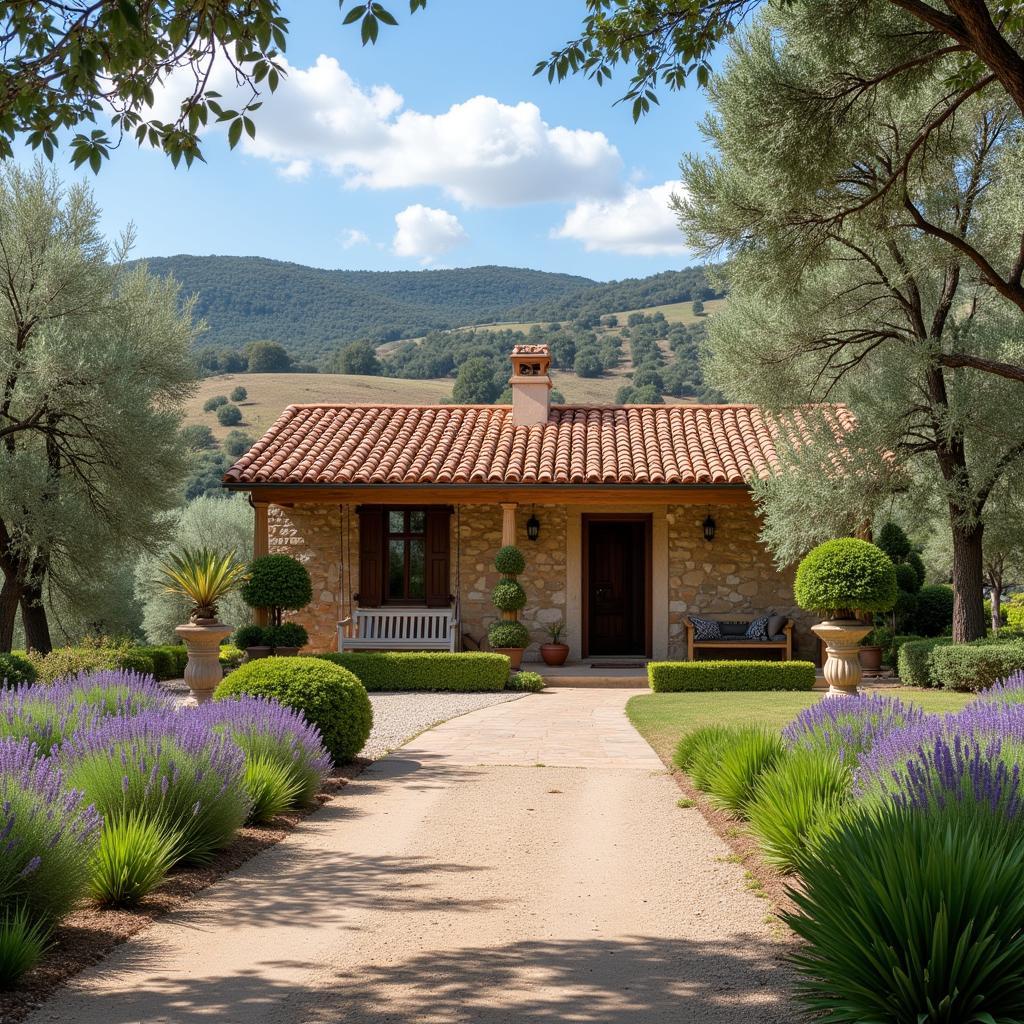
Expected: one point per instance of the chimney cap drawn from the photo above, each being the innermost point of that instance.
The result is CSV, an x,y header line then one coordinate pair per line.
x,y
531,385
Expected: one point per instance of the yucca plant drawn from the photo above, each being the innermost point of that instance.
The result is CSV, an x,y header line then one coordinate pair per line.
x,y
203,576
914,915
749,753
22,943
271,786
133,856
801,792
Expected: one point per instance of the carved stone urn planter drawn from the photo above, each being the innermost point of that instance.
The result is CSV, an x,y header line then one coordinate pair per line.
x,y
202,638
842,667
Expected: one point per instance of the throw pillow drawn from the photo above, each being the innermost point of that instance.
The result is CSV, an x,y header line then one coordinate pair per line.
x,y
776,623
758,629
705,629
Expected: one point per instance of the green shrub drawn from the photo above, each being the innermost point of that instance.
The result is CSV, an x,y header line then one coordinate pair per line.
x,y
288,634
693,676
229,415
689,748
468,672
505,633
530,682
239,394
846,575
328,696
169,660
748,754
230,656
799,792
1013,614
133,856
911,916
913,663
509,560
214,403
508,596
933,615
906,578
89,657
15,670
705,753
22,942
251,636
277,582
893,541
271,786
975,666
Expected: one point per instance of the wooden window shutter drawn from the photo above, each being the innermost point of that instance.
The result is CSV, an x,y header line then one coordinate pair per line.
x,y
438,557
371,556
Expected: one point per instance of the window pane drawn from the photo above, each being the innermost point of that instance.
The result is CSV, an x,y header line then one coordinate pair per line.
x,y
417,522
396,568
396,522
417,586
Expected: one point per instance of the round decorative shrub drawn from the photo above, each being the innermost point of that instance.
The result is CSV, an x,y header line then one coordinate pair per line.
x,y
906,578
527,682
508,634
49,830
509,560
169,766
230,656
229,415
250,636
508,596
843,576
329,697
278,582
288,634
933,615
132,858
14,670
239,394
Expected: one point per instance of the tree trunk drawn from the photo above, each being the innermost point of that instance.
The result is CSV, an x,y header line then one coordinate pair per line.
x,y
997,602
33,616
10,594
968,584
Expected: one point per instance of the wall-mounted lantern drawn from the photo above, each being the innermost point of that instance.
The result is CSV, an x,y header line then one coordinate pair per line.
x,y
709,529
532,527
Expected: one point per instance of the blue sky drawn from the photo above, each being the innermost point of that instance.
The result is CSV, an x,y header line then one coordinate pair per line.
x,y
437,147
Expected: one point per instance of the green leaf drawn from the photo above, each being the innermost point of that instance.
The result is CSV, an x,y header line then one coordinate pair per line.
x,y
369,30
235,132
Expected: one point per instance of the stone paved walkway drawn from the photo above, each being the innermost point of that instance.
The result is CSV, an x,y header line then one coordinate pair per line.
x,y
454,883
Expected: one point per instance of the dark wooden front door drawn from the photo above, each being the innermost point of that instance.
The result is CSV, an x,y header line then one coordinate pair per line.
x,y
616,585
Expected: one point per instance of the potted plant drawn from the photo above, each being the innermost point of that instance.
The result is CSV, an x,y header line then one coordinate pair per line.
x,y
555,652
870,652
278,583
254,641
204,577
837,580
287,638
509,636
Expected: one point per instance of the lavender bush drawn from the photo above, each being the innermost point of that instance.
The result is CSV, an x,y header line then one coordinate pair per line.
x,y
269,731
170,766
49,714
1007,691
47,834
850,726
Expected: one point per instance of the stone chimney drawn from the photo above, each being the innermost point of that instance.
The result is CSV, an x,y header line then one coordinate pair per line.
x,y
531,385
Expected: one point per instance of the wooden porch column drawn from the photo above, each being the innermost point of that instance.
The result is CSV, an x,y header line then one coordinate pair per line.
x,y
508,522
261,547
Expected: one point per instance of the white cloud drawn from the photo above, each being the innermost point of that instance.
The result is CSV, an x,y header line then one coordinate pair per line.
x,y
479,153
637,223
425,233
352,237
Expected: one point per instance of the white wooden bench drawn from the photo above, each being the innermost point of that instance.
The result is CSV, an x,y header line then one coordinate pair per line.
x,y
399,629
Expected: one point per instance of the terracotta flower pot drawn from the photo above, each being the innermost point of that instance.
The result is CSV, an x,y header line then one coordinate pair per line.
x,y
554,654
870,658
203,671
842,641
514,655
252,653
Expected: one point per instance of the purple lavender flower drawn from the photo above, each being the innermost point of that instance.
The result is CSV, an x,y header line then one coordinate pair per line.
x,y
849,726
1006,691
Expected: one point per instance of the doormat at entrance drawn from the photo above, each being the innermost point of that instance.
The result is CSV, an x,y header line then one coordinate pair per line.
x,y
619,664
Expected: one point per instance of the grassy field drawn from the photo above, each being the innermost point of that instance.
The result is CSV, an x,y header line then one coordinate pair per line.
x,y
663,718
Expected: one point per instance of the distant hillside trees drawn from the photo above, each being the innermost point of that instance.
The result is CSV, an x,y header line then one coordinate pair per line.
x,y
475,382
355,357
267,357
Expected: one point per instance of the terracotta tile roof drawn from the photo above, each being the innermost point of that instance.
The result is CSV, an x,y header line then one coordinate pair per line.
x,y
638,444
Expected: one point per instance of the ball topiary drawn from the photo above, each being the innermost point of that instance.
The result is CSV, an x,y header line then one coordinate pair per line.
x,y
508,634
509,560
328,696
277,582
508,596
15,670
843,576
250,636
288,634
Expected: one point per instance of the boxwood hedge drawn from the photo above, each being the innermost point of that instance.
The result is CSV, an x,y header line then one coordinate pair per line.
x,y
975,666
467,672
913,663
693,676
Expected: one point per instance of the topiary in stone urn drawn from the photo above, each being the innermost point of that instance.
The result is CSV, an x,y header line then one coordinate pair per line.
x,y
839,579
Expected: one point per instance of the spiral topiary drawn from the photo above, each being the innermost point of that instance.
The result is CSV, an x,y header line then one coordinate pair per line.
x,y
844,576
328,696
508,596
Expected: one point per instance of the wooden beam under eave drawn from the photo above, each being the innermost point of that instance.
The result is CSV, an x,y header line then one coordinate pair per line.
x,y
592,495
261,546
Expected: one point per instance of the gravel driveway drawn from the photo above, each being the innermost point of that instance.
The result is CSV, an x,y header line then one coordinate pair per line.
x,y
397,717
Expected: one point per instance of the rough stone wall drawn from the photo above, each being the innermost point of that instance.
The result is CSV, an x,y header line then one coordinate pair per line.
x,y
313,535
543,581
732,576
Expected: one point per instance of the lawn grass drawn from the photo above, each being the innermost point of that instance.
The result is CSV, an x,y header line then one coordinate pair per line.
x,y
662,718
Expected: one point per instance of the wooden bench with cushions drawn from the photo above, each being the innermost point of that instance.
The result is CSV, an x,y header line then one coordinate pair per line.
x,y
733,638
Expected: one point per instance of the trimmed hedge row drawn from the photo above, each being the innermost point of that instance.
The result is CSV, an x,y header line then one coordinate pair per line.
x,y
974,666
913,663
468,672
699,676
